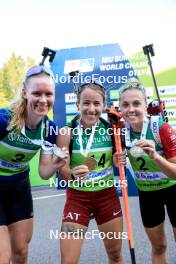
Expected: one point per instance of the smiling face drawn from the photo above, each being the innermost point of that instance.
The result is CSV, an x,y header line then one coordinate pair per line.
x,y
39,92
91,105
133,107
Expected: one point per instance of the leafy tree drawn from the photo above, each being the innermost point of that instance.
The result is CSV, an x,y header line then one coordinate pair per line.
x,y
3,100
12,74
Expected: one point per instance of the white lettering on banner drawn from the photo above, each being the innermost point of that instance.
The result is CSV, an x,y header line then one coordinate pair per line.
x,y
141,64
107,59
111,67
141,72
111,59
165,90
70,98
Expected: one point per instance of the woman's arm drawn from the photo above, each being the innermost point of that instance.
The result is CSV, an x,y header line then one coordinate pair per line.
x,y
49,163
79,172
47,167
63,140
167,166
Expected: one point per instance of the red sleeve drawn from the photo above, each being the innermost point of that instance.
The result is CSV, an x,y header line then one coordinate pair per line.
x,y
168,140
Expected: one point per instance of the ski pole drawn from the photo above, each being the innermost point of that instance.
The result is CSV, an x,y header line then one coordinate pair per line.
x,y
47,53
114,117
149,51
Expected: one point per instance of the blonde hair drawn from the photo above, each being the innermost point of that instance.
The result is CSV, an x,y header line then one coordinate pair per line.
x,y
19,105
19,112
133,84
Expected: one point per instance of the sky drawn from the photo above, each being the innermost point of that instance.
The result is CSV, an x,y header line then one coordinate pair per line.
x,y
27,26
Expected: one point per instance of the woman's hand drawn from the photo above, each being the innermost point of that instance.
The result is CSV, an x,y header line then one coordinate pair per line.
x,y
148,146
60,156
80,172
119,158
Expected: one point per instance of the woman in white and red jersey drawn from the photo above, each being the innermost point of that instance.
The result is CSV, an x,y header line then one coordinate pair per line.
x,y
151,149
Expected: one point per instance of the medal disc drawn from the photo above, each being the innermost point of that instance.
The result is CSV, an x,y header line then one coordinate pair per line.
x,y
91,163
136,151
58,152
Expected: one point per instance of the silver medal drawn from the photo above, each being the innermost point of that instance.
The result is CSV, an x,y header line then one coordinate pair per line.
x,y
136,151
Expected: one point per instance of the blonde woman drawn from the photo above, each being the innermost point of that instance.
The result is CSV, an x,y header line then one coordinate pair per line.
x,y
151,148
22,132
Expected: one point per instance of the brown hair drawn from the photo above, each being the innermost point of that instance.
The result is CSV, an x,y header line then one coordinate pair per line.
x,y
94,86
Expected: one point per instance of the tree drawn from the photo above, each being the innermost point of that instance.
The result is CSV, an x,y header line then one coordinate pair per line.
x,y
3,100
13,73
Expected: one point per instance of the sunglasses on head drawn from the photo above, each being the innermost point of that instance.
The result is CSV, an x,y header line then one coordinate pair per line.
x,y
92,81
131,83
37,70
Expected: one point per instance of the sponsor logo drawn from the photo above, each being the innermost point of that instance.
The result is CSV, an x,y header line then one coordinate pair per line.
x,y
165,90
169,101
70,98
152,176
171,113
13,136
116,213
71,109
82,65
155,127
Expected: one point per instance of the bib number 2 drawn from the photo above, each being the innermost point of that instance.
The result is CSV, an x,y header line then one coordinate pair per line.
x,y
142,164
18,158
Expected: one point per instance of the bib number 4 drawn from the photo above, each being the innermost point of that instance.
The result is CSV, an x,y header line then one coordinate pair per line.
x,y
102,160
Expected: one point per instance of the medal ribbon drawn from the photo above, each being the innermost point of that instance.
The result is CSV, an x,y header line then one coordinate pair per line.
x,y
90,141
143,133
39,142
